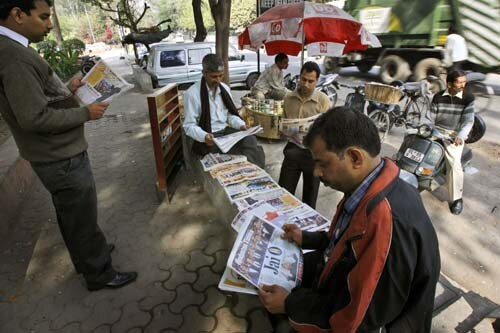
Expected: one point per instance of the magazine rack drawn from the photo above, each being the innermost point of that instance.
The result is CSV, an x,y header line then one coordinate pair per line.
x,y
165,120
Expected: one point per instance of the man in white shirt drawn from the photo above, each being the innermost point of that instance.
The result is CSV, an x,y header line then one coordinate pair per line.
x,y
270,83
209,109
456,48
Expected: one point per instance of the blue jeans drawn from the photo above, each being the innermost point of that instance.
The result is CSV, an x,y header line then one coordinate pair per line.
x,y
72,186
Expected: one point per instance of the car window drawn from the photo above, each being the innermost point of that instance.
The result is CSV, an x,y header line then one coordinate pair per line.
x,y
172,58
196,55
233,53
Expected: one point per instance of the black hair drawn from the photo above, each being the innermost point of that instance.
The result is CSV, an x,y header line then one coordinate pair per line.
x,y
341,127
212,63
310,66
25,5
280,57
454,75
452,30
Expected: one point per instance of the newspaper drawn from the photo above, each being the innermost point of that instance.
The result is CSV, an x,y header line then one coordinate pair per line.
x,y
226,142
226,168
294,130
278,213
276,197
261,256
239,173
249,187
101,85
232,281
213,161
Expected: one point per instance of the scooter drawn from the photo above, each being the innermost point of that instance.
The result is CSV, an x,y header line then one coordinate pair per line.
x,y
421,157
327,84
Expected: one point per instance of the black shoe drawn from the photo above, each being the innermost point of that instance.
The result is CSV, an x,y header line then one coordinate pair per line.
x,y
119,280
456,206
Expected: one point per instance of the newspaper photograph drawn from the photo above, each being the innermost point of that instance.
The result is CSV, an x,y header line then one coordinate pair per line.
x,y
310,220
295,129
260,209
226,142
213,161
261,256
232,281
101,85
281,199
249,187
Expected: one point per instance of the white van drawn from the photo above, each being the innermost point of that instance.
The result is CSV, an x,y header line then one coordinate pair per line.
x,y
181,63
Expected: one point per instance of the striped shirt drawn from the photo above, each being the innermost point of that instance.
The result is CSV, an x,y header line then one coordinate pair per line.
x,y
453,113
350,204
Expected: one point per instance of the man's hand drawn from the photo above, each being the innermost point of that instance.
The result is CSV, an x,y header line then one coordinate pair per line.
x,y
209,139
75,83
458,141
97,110
292,232
243,128
273,298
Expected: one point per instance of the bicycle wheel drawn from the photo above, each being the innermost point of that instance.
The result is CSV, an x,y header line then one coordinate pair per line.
x,y
382,122
417,109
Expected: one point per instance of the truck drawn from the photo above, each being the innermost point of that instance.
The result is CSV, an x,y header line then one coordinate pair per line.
x,y
413,34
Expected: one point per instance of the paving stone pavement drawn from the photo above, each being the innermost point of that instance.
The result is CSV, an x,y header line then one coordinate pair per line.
x,y
179,249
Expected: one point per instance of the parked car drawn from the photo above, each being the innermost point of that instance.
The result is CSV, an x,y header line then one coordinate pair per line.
x,y
181,63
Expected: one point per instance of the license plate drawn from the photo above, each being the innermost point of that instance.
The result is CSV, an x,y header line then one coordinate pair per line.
x,y
414,155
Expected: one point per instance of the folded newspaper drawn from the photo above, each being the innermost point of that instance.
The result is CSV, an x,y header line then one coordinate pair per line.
x,y
226,142
232,281
294,130
261,256
213,161
101,85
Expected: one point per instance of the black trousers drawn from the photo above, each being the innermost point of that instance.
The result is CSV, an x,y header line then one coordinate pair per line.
x,y
72,187
299,161
248,146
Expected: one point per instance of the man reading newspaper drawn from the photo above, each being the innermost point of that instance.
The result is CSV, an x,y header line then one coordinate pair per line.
x,y
210,109
377,267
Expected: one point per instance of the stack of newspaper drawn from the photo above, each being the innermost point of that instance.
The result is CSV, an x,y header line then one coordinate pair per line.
x,y
226,142
259,255
101,85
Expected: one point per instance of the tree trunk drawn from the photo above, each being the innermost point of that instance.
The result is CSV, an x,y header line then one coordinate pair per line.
x,y
201,31
57,26
221,12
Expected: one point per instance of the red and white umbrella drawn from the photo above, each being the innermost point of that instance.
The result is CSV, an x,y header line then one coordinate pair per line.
x,y
325,29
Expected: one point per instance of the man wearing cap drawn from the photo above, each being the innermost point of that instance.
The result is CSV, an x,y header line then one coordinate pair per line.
x,y
210,112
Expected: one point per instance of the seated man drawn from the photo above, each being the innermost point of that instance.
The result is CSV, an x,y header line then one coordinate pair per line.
x,y
378,265
270,82
209,109
453,114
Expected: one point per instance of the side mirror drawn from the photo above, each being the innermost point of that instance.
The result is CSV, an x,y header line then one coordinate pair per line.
x,y
242,57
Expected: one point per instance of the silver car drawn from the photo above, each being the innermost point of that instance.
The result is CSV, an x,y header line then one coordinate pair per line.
x,y
181,63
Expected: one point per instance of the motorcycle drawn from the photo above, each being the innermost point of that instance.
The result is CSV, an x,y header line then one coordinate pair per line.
x,y
87,62
421,156
327,84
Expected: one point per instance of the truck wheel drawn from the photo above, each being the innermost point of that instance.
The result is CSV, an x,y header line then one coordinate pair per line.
x,y
427,67
251,79
364,66
394,68
331,65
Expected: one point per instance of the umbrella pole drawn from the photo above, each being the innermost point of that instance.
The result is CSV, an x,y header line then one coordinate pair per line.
x,y
303,41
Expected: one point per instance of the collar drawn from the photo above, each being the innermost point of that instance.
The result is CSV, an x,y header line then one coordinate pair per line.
x,y
459,95
314,97
352,201
14,36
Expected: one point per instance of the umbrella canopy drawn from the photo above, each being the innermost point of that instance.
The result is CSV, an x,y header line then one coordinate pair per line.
x,y
325,29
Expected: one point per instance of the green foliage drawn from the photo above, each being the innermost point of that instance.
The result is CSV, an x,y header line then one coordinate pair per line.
x,y
186,17
243,12
65,61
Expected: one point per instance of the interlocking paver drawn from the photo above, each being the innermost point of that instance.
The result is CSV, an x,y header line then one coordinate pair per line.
x,y
196,322
214,300
185,296
198,259
229,323
206,278
164,319
132,316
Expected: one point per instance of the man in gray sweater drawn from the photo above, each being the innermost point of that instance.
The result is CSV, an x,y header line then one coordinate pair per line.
x,y
47,123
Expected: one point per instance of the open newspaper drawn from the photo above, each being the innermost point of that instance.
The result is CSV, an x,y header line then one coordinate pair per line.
x,y
214,161
226,142
261,256
101,85
294,130
238,172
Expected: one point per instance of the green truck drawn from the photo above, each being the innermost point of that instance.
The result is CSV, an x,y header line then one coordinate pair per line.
x,y
413,35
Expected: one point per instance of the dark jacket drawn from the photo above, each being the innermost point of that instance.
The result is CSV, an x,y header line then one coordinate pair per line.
x,y
382,272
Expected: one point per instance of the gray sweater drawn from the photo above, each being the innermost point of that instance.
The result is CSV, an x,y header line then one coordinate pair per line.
x,y
45,119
